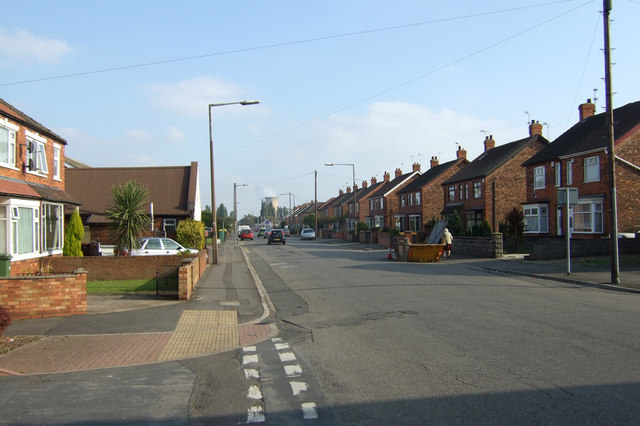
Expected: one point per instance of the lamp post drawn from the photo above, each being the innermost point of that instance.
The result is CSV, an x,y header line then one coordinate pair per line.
x,y
235,209
355,201
294,203
214,250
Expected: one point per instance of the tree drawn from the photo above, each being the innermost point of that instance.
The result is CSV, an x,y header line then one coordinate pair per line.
x,y
127,213
206,216
309,221
454,224
222,211
73,234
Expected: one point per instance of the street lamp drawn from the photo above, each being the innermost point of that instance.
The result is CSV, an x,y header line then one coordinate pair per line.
x,y
235,208
355,201
294,203
214,250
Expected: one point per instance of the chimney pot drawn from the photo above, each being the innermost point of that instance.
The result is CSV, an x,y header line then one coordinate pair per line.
x,y
461,153
387,176
398,172
586,110
416,167
489,143
535,128
364,183
434,161
374,181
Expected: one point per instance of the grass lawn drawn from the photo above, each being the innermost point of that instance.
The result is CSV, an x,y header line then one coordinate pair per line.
x,y
122,286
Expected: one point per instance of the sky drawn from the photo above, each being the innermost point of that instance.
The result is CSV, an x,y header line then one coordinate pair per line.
x,y
377,84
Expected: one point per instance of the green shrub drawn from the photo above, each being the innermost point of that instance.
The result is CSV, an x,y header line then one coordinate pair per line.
x,y
5,320
362,226
482,229
73,234
190,233
454,224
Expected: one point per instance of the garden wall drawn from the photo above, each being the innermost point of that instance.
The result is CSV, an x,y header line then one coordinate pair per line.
x,y
44,296
556,247
479,246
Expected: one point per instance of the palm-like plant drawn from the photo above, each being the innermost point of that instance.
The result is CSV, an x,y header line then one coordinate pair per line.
x,y
127,213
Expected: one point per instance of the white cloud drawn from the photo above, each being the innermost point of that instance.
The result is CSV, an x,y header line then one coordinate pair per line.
x,y
190,98
138,135
27,46
175,135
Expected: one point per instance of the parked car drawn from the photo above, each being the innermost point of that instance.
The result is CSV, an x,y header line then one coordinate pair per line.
x,y
276,236
246,234
208,231
266,233
156,246
261,232
307,234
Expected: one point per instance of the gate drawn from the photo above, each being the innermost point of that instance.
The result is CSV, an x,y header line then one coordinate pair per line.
x,y
167,281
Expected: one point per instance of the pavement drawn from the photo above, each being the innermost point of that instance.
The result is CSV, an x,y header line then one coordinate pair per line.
x,y
227,311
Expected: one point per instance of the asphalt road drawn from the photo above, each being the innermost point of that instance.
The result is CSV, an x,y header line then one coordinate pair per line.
x,y
448,343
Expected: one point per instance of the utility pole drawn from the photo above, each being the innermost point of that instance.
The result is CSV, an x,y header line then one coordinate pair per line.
x,y
315,204
615,266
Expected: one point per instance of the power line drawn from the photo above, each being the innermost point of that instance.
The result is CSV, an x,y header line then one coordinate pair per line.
x,y
407,82
276,45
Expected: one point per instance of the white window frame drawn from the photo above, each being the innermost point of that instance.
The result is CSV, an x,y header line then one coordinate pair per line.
x,y
57,149
569,172
48,227
418,198
594,216
592,169
539,177
12,136
452,193
558,170
414,223
477,189
536,218
403,201
13,228
38,155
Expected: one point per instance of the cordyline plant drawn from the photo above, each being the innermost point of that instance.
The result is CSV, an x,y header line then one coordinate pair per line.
x,y
127,213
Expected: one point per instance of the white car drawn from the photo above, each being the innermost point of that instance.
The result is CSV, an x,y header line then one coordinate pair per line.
x,y
156,246
307,234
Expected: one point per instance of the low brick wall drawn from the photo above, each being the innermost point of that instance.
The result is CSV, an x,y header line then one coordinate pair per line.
x,y
44,296
188,276
101,268
479,246
556,247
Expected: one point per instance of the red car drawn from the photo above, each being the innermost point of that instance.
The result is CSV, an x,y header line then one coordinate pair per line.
x,y
246,234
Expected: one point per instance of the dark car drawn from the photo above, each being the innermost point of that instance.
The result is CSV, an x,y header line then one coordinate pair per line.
x,y
276,236
246,234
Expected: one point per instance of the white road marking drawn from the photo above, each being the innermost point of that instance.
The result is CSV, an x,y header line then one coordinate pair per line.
x,y
255,415
254,393
281,346
249,349
249,359
309,411
297,387
287,356
276,339
293,370
251,373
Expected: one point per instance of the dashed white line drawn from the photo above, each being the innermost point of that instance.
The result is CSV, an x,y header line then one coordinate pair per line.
x,y
297,387
255,415
254,393
281,346
293,370
249,359
287,356
309,410
251,373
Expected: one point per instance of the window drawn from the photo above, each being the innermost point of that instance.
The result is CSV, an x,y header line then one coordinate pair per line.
x,y
587,217
536,218
169,225
417,198
410,199
52,223
592,169
466,191
3,230
169,244
477,189
376,204
379,221
8,144
558,167
569,172
25,229
414,222
399,223
538,178
460,189
56,162
452,193
36,154
370,222
403,201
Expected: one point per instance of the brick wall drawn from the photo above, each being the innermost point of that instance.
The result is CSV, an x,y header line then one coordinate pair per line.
x,y
432,195
44,296
479,246
556,247
628,184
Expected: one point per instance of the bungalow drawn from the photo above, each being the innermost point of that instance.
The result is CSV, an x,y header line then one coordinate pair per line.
x,y
494,183
578,159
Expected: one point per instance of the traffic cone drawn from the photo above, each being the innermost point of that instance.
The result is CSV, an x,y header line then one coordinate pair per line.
x,y
389,254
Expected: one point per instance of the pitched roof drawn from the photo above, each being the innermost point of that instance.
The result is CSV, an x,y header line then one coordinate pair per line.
x,y
426,177
172,189
24,119
590,134
490,160
390,186
17,187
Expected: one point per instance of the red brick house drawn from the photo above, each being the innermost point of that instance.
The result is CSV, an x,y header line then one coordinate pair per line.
x,y
494,183
578,159
32,187
383,204
421,200
174,196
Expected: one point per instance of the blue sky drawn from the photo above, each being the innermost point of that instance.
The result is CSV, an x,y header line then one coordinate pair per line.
x,y
374,83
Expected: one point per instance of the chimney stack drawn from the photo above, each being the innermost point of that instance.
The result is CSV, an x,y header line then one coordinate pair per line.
x,y
434,161
416,167
341,192
387,177
398,172
587,110
364,184
535,128
489,143
373,181
461,153
348,190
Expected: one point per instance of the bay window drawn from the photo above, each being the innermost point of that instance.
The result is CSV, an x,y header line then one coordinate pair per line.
x,y
536,218
588,217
